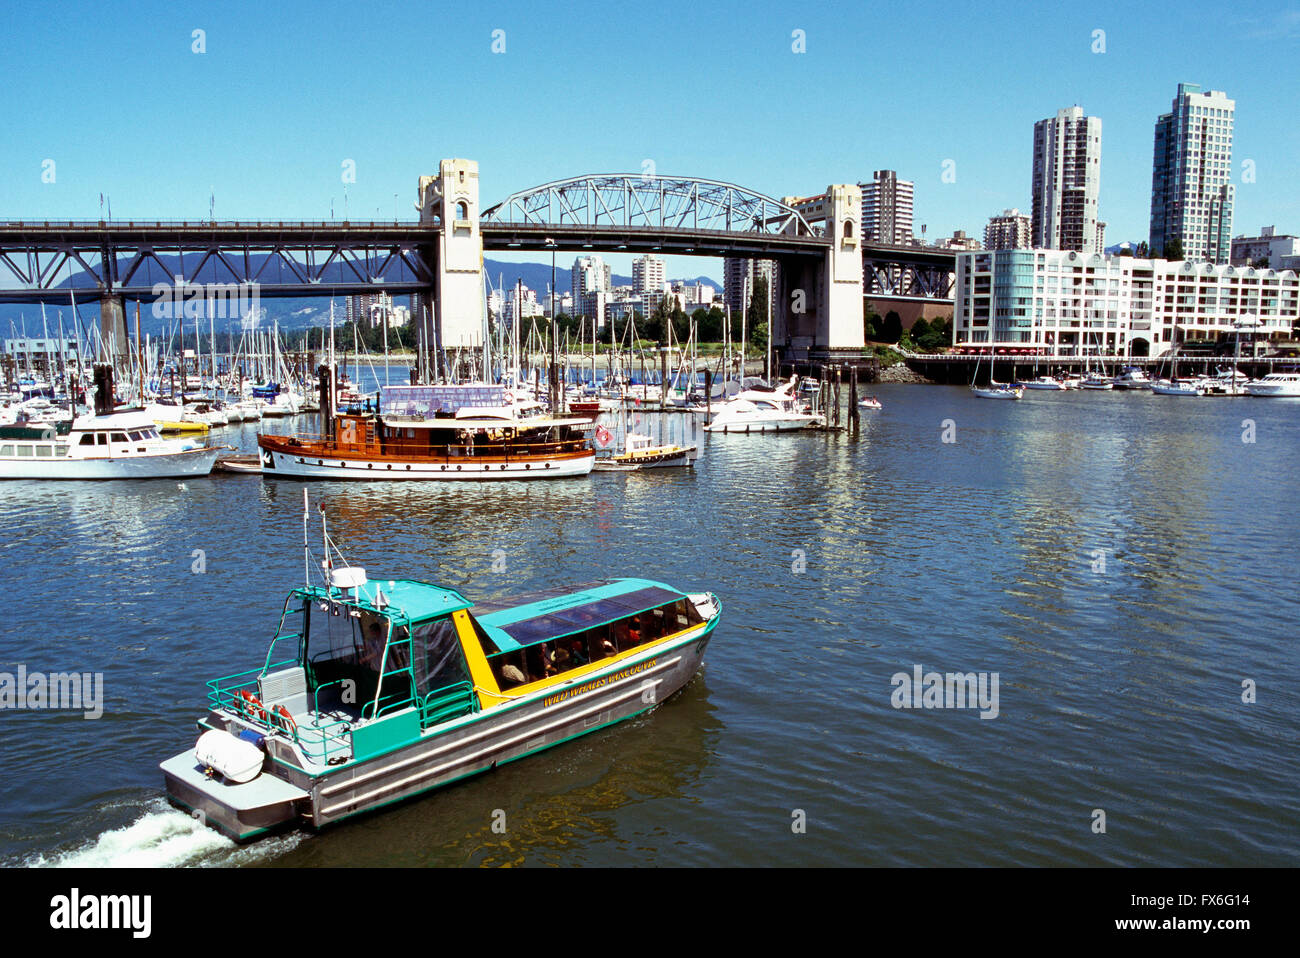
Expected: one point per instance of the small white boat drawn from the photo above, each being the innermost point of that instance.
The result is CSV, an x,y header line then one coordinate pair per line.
x,y
641,452
1184,387
869,402
1045,382
1132,378
755,410
1096,381
998,391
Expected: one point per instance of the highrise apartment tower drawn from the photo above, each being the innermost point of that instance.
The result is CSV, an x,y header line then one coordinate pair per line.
x,y
1067,180
1191,173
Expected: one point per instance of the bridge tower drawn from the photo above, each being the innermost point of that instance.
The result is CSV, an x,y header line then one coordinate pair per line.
x,y
818,311
453,314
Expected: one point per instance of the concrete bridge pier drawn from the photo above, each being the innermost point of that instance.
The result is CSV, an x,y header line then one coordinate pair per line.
x,y
818,311
112,328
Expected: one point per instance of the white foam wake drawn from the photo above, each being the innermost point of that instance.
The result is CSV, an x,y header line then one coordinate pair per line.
x,y
162,837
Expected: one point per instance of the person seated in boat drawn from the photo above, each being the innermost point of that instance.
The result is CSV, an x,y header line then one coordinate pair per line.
x,y
372,647
548,666
512,675
634,631
561,659
578,651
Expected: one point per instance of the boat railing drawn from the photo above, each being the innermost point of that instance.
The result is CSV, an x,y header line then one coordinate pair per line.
x,y
316,445
225,692
449,702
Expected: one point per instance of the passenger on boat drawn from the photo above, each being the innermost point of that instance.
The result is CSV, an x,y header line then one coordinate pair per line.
x,y
513,675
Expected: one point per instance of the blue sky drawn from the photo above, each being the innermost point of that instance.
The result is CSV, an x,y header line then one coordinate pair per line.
x,y
285,93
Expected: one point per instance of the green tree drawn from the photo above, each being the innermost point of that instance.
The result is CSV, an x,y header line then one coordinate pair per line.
x,y
871,326
758,336
1174,249
757,312
1143,250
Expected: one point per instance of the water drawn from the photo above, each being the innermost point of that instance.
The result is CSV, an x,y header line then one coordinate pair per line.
x,y
1120,687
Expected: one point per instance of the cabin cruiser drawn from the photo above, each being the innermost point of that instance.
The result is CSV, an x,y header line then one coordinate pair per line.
x,y
1045,382
118,445
1280,385
759,410
376,691
1133,377
1178,387
442,432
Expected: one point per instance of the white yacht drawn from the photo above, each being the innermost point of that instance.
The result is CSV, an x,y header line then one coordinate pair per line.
x,y
119,445
1276,386
757,410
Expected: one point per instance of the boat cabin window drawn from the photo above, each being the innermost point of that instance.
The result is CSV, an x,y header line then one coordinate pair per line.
x,y
101,438
6,450
544,659
87,440
120,437
24,452
46,451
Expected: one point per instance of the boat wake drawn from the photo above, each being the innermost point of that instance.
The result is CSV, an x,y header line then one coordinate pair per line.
x,y
162,837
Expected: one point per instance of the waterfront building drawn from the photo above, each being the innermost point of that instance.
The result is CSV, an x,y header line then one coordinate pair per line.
x,y
1248,250
1066,181
1066,303
1010,230
1191,175
887,204
372,309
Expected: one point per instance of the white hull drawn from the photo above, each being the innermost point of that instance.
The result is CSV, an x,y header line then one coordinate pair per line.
x,y
300,467
191,462
762,425
1273,390
996,393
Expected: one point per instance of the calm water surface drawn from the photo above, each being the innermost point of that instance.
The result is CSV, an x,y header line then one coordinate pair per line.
x,y
1123,562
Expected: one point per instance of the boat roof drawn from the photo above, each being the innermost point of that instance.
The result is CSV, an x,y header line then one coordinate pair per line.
x,y
403,597
521,620
532,422
133,419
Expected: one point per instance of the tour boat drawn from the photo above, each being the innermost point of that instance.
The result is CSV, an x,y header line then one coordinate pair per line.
x,y
117,445
1276,385
447,432
376,691
757,410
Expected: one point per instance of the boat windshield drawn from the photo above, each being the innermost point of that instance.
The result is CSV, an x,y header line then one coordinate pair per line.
x,y
364,662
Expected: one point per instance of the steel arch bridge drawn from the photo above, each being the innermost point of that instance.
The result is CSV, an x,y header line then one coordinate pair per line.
x,y
649,202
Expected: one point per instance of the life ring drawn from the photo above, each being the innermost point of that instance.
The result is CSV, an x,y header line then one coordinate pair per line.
x,y
509,396
281,714
252,704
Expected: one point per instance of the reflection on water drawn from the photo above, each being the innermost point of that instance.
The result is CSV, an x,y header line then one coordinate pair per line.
x,y
1123,564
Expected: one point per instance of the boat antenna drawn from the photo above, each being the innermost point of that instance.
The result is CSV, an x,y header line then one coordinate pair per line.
x,y
306,548
325,542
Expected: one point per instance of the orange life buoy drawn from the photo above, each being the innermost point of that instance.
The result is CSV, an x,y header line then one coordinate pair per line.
x,y
252,704
282,714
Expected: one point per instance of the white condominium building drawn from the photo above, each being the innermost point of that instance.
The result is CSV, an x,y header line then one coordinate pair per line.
x,y
1066,303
